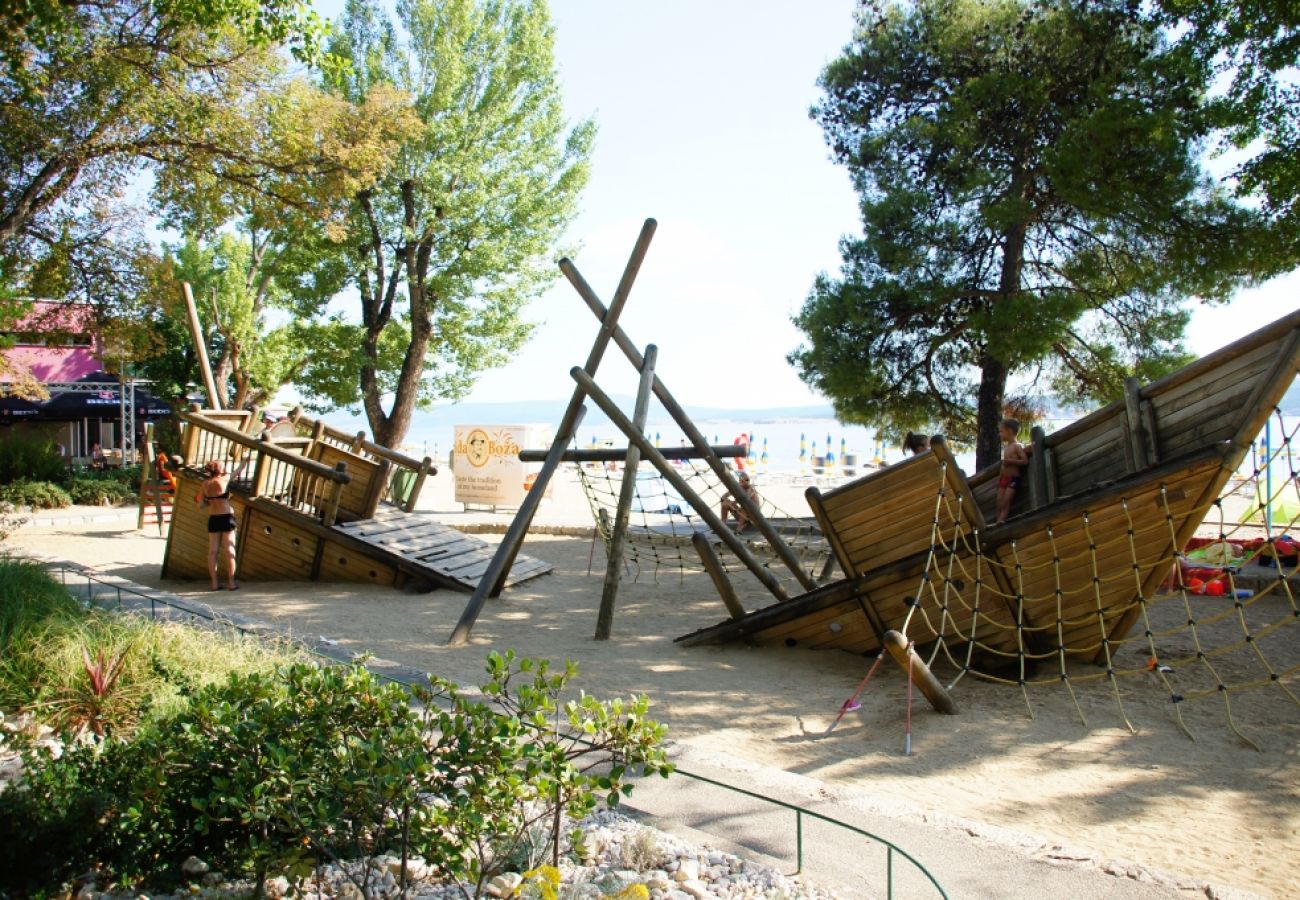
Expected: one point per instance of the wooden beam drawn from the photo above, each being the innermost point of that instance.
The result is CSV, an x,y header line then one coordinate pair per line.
x,y
1135,427
494,578
627,490
1037,468
215,400
619,454
713,565
908,661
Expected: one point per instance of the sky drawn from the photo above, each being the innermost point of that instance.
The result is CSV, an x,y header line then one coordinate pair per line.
x,y
702,115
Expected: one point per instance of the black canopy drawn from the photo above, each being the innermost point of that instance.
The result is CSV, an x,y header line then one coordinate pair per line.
x,y
99,398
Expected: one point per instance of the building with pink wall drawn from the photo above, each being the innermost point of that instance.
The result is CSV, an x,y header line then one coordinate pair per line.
x,y
55,342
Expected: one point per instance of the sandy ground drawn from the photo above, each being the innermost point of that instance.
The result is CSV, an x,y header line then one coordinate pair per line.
x,y
1213,807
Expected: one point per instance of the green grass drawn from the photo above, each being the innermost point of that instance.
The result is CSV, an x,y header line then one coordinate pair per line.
x,y
107,671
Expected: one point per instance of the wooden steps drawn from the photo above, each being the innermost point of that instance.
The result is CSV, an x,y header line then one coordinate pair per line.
x,y
421,547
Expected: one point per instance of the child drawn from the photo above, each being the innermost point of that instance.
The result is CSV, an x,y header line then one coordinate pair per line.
x,y
1014,459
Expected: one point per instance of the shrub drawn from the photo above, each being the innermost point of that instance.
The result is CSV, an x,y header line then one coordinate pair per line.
x,y
36,494
277,772
99,491
30,598
36,460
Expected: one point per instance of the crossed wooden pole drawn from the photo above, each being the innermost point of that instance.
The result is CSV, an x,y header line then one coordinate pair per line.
x,y
493,580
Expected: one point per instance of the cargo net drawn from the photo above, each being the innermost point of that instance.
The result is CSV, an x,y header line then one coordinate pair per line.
x,y
1209,621
661,523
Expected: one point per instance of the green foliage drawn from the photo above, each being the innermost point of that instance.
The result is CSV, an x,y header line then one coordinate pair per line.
x,y
468,214
1255,46
269,773
1031,200
34,460
36,494
99,492
30,598
55,658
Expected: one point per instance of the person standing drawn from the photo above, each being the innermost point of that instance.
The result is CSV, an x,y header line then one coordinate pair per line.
x,y
215,495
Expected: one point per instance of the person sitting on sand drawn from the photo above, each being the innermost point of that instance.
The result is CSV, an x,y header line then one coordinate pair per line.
x,y
215,494
731,507
915,444
1014,460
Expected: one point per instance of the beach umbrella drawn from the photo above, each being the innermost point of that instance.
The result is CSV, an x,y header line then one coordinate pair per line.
x,y
842,447
762,460
657,439
803,454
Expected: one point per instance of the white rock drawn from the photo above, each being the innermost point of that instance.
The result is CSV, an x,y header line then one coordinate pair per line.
x,y
193,867
688,870
277,887
347,891
627,874
658,880
504,885
696,888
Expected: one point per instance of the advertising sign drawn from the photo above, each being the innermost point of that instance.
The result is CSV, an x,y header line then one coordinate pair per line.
x,y
486,463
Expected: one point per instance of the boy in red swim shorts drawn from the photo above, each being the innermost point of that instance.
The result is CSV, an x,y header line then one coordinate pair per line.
x,y
1014,460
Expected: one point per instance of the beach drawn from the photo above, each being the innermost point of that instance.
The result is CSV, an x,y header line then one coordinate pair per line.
x,y
1213,808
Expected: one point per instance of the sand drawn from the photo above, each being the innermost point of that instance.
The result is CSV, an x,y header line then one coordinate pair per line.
x,y
1213,808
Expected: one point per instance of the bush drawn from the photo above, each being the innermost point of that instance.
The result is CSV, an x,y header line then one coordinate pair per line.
x,y
36,460
36,494
278,772
99,491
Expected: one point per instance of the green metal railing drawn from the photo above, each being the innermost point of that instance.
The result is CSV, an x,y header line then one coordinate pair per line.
x,y
800,812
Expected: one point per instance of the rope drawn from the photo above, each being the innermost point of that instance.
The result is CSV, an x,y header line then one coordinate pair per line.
x,y
1079,597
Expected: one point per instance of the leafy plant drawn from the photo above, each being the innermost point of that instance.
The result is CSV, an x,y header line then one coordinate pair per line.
x,y
102,700
36,494
99,491
35,460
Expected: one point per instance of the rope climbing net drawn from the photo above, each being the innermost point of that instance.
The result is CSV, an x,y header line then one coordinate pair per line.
x,y
661,523
1042,610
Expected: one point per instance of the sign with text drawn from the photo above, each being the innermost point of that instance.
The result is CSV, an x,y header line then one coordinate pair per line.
x,y
486,464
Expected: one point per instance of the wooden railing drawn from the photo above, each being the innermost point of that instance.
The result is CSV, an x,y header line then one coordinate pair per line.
x,y
280,474
404,476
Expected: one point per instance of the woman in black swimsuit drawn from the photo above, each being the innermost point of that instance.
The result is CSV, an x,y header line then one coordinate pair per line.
x,y
221,522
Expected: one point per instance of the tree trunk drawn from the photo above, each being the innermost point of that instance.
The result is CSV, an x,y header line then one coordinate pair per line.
x,y
993,386
993,371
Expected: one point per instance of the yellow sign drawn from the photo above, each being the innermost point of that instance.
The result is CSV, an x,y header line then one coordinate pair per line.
x,y
486,463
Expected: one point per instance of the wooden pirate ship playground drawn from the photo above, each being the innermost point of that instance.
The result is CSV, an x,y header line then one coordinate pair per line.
x,y
1062,593
319,505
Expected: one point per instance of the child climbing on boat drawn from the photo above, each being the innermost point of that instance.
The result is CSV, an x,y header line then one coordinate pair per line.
x,y
1014,460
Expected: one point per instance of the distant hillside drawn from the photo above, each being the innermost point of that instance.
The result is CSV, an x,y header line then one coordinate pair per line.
x,y
550,412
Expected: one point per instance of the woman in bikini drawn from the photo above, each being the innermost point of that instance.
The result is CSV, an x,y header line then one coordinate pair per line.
x,y
215,495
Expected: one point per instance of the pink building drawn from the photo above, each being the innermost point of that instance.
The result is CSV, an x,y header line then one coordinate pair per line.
x,y
56,342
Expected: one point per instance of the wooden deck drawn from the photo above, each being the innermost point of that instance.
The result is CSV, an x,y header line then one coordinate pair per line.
x,y
422,547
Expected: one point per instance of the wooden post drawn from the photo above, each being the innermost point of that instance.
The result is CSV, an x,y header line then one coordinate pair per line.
x,y
498,569
728,537
900,649
358,442
426,465
693,434
261,471
331,511
1038,468
614,564
215,400
1133,422
713,565
191,440
378,481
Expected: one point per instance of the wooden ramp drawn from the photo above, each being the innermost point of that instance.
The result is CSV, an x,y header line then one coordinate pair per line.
x,y
424,548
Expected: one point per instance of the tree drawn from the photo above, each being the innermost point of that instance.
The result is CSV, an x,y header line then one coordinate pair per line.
x,y
463,221
90,93
1255,46
1032,206
263,249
